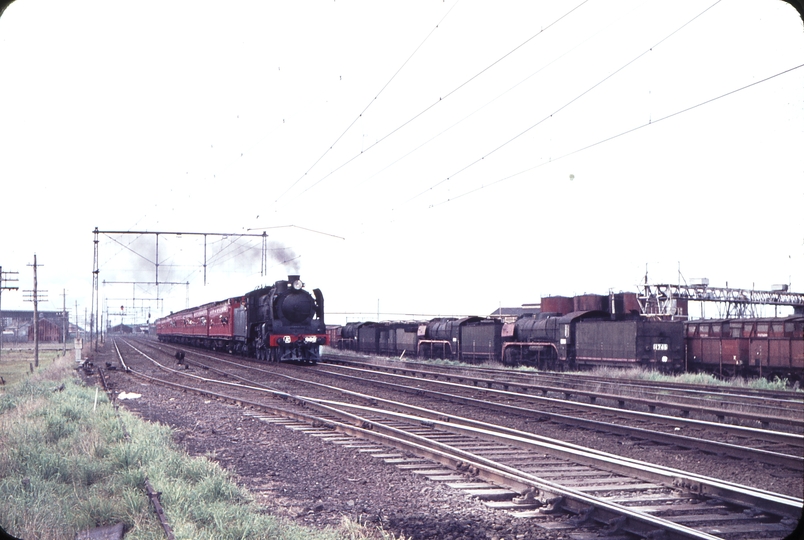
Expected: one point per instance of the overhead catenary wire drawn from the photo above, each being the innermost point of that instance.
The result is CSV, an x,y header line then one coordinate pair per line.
x,y
477,110
441,98
562,107
331,146
611,138
231,247
126,247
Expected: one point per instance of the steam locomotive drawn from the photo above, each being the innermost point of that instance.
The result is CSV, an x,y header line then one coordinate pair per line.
x,y
280,323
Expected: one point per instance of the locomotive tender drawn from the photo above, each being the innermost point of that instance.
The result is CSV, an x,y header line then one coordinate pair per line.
x,y
280,323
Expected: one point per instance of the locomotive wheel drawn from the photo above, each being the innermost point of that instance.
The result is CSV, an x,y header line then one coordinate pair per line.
x,y
508,358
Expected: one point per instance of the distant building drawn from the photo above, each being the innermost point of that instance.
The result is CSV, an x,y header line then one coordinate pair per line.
x,y
17,326
120,329
511,314
50,331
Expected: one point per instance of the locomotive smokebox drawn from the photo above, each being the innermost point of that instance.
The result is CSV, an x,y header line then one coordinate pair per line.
x,y
297,308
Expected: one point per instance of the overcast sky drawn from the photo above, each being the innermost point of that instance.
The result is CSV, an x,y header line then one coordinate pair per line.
x,y
432,157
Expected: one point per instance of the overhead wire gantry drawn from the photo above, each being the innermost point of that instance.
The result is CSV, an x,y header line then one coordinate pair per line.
x,y
155,262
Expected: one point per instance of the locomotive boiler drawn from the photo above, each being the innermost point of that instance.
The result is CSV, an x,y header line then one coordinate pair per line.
x,y
531,341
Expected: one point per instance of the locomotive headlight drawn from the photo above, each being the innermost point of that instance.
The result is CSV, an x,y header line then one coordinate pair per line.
x,y
286,339
298,284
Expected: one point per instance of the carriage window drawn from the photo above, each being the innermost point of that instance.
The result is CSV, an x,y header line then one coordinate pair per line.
x,y
691,330
736,330
704,330
762,330
789,328
748,329
716,330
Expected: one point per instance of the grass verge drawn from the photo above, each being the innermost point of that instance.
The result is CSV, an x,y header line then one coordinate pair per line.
x,y
624,373
70,462
704,379
15,365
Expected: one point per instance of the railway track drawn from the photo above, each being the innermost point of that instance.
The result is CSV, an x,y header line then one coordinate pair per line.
x,y
500,463
721,406
778,448
751,444
744,394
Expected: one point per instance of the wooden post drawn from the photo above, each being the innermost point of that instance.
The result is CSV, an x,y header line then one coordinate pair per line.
x,y
36,317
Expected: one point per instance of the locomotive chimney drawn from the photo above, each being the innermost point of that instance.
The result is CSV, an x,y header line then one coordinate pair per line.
x,y
293,277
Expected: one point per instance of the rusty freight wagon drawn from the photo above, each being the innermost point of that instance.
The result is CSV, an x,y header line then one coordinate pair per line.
x,y
763,346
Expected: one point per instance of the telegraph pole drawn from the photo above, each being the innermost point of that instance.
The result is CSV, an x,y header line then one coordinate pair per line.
x,y
34,297
94,303
4,279
65,320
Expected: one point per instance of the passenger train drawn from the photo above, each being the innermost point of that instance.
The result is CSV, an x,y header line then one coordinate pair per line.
x,y
280,323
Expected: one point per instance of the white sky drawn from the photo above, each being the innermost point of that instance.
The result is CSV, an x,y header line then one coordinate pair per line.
x,y
468,181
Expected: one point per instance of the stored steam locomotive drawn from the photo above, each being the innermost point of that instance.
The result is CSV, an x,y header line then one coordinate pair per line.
x,y
281,323
548,341
593,330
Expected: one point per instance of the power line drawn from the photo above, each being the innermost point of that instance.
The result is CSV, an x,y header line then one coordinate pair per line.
x,y
115,240
367,105
445,130
564,106
626,132
442,98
